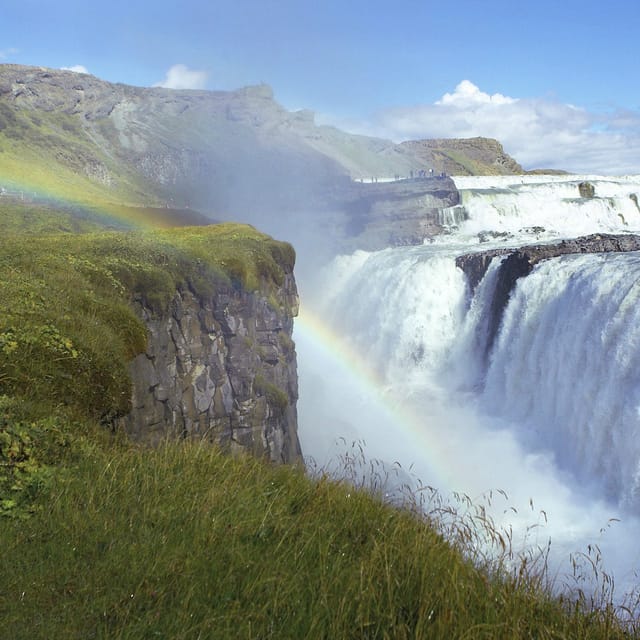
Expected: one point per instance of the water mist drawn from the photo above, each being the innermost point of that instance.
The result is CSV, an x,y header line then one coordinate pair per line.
x,y
392,352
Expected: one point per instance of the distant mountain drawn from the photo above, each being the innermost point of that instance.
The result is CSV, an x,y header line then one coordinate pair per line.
x,y
74,135
464,157
229,155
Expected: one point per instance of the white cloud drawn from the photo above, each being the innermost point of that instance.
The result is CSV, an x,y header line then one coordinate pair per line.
x,y
467,94
537,132
179,76
76,68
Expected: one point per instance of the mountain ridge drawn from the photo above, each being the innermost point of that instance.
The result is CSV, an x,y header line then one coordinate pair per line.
x,y
164,134
229,155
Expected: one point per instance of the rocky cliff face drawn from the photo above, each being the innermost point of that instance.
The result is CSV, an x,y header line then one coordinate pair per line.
x,y
221,368
403,212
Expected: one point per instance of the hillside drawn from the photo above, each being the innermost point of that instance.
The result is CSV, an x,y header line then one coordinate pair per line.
x,y
465,157
231,155
182,542
181,332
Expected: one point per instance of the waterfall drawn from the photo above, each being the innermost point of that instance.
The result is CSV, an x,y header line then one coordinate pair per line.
x,y
522,206
549,412
400,306
566,368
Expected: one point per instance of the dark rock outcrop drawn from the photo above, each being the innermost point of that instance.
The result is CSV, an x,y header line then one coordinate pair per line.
x,y
587,190
223,369
520,262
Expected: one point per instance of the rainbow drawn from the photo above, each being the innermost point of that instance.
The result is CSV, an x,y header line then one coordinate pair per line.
x,y
104,213
414,437
406,435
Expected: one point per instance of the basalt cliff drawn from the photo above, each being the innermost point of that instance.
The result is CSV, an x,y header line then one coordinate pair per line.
x,y
221,367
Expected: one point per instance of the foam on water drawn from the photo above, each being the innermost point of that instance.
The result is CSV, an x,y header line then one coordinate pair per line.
x,y
522,207
551,415
566,368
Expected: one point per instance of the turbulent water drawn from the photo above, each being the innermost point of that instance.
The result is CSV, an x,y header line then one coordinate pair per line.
x,y
524,206
549,415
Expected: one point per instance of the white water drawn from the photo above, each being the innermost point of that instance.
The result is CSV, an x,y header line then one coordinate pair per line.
x,y
552,417
529,207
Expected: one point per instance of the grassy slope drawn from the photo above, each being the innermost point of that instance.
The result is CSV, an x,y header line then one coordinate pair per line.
x,y
466,165
51,160
50,152
104,539
67,329
182,542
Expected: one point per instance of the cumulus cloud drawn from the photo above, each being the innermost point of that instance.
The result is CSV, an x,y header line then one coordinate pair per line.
x,y
537,132
76,68
179,76
467,93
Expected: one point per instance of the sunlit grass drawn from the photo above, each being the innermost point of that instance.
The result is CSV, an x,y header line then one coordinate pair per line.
x,y
185,542
68,327
52,153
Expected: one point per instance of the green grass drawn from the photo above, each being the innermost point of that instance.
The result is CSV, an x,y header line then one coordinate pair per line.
x,y
47,216
52,152
38,218
68,329
185,542
468,165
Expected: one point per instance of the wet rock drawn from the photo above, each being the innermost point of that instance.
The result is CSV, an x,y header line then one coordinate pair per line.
x,y
587,190
390,214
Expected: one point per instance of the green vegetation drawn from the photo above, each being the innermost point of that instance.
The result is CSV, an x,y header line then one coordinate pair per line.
x,y
52,152
68,329
103,538
32,218
276,397
185,542
37,449
466,164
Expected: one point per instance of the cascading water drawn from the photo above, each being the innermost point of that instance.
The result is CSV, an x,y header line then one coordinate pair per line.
x,y
522,206
566,367
550,413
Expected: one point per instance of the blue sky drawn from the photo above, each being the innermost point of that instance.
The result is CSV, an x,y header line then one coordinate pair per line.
x,y
555,81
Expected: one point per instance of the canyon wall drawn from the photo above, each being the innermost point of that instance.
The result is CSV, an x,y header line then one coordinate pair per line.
x,y
220,368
